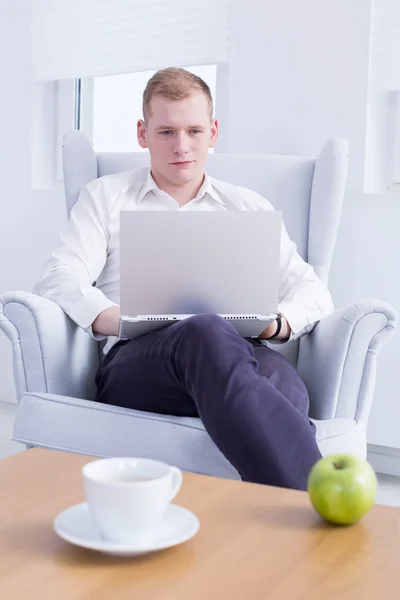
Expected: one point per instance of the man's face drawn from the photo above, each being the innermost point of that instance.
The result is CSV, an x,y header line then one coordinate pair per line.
x,y
178,134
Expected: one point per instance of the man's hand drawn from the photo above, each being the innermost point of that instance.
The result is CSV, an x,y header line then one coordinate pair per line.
x,y
107,322
269,331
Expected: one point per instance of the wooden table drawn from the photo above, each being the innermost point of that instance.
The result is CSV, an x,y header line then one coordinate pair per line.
x,y
255,542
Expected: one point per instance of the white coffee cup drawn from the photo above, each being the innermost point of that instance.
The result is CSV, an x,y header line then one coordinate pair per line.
x,y
128,497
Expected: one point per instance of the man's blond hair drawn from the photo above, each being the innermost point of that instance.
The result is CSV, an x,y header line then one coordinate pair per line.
x,y
174,84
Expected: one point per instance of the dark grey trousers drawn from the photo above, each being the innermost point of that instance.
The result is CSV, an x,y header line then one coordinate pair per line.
x,y
250,398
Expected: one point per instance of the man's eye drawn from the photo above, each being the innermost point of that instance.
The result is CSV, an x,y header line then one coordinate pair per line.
x,y
196,131
166,132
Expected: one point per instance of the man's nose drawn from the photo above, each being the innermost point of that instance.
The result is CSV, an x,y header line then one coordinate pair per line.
x,y
181,145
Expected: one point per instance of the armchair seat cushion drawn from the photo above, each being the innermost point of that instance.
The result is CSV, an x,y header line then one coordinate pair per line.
x,y
337,436
87,427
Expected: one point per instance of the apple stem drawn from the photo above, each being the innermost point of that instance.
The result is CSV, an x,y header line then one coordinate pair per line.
x,y
339,465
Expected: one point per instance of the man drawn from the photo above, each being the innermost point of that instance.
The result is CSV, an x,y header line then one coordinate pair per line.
x,y
250,398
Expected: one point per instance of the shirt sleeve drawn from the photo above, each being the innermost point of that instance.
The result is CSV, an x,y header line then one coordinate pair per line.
x,y
78,261
303,298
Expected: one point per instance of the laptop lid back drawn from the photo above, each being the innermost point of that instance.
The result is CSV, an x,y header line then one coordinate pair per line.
x,y
181,262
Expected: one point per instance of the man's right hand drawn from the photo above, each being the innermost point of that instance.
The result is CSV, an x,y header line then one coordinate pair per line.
x,y
107,322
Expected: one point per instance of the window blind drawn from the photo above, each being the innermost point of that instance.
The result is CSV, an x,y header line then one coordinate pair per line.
x,y
78,38
385,46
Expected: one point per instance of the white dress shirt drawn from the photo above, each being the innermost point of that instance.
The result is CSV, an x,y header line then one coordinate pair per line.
x,y
89,249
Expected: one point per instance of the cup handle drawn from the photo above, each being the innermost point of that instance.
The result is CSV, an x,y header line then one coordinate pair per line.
x,y
177,479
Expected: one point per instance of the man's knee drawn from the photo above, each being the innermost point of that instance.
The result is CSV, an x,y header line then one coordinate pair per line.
x,y
206,325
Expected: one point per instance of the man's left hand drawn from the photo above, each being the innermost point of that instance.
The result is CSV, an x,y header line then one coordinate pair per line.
x,y
269,331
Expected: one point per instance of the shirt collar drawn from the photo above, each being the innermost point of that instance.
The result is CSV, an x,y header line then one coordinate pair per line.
x,y
206,188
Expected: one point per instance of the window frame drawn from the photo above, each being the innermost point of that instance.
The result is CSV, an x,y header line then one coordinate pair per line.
x,y
66,118
393,177
396,144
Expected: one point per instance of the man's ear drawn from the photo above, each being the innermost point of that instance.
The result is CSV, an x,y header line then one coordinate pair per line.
x,y
141,134
214,133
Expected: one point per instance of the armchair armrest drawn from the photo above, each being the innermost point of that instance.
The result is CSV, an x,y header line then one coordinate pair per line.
x,y
337,360
50,353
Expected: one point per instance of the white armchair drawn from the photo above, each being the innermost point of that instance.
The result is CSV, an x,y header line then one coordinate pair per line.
x,y
55,361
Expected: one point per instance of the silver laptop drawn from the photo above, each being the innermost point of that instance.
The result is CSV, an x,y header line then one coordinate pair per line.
x,y
175,264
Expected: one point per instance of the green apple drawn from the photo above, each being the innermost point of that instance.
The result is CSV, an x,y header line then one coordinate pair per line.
x,y
342,488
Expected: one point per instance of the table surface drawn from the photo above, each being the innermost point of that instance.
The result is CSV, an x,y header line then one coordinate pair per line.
x,y
255,542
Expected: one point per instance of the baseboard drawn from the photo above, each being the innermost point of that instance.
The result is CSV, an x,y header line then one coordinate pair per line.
x,y
384,459
9,400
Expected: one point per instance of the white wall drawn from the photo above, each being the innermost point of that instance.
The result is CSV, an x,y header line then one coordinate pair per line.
x,y
14,138
14,158
299,74
30,221
301,70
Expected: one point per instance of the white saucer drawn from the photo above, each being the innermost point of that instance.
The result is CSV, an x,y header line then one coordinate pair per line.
x,y
76,525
